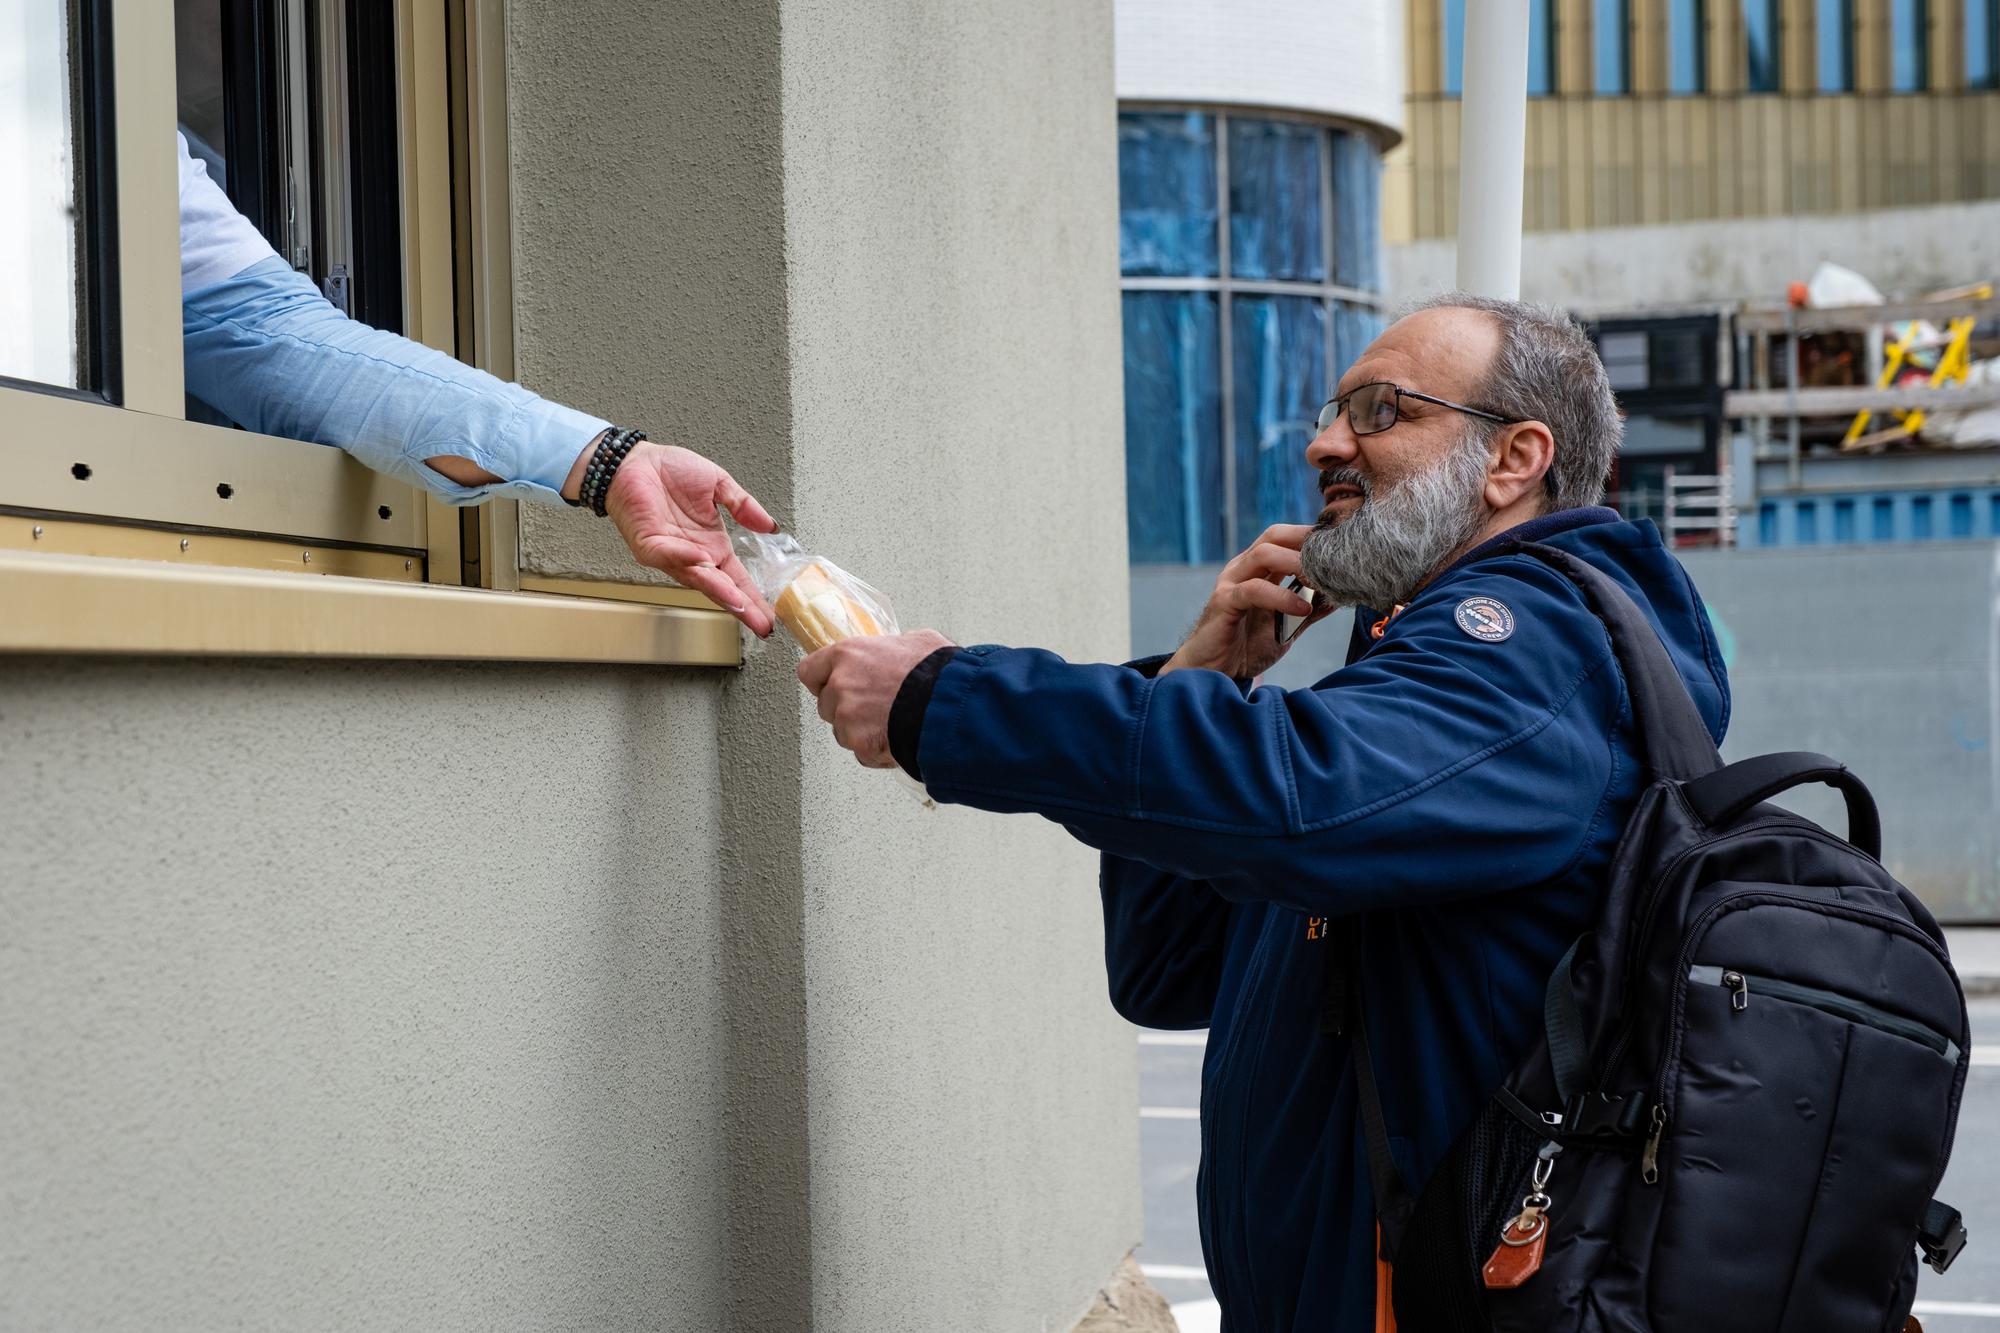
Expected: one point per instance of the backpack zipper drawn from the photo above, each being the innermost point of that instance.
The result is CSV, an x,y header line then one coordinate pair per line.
x,y
1741,984
1696,930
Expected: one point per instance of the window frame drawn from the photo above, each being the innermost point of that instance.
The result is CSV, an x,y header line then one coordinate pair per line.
x,y
1919,50
1773,11
1843,11
1698,11
1225,286
106,480
1620,43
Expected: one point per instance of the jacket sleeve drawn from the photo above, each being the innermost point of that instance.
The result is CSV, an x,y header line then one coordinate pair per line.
x,y
1438,766
1164,939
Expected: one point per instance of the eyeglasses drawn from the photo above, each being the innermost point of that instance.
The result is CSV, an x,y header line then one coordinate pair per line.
x,y
1373,408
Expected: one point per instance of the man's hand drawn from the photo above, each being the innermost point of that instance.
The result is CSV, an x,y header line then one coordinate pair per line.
x,y
663,500
856,681
1238,630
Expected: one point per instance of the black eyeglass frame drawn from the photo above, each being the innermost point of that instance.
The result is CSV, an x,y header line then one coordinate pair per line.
x,y
1335,405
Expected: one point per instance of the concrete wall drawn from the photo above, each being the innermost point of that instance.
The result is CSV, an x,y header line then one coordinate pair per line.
x,y
1887,658
405,995
875,263
1615,270
1337,57
351,996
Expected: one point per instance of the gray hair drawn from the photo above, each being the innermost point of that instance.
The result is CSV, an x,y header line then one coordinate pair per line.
x,y
1547,370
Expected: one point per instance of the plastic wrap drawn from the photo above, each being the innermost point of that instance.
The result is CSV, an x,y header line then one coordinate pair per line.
x,y
817,601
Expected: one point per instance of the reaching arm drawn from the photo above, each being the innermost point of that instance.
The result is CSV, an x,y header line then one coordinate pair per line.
x,y
1438,766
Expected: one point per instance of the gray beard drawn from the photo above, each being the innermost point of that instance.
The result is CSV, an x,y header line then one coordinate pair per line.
x,y
1379,555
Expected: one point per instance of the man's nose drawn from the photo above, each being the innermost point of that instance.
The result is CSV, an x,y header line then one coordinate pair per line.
x,y
1333,446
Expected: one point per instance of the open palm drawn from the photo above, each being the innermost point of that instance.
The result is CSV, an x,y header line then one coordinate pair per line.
x,y
664,500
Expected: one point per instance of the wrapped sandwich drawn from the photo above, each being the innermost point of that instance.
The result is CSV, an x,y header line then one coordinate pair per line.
x,y
817,601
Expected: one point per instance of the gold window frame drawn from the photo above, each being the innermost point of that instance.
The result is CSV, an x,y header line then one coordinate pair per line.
x,y
129,529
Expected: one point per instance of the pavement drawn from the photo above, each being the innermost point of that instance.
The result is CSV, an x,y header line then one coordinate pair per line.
x,y
1975,952
1964,1300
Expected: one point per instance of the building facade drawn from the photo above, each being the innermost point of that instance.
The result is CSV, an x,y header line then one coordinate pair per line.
x,y
1249,252
1686,158
473,937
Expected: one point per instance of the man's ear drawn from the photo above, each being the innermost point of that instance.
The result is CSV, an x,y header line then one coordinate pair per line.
x,y
1522,455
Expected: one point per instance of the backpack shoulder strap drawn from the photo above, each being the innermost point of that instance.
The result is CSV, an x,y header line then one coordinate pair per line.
x,y
1673,738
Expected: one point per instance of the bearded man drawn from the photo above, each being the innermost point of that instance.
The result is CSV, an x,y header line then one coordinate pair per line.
x,y
1456,789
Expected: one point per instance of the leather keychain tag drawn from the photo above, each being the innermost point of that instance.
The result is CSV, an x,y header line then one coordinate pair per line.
x,y
1518,1256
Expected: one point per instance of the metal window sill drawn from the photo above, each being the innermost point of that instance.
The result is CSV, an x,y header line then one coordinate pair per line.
x,y
55,603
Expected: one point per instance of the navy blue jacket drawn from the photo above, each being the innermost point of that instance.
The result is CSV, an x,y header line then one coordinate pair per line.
x,y
1465,790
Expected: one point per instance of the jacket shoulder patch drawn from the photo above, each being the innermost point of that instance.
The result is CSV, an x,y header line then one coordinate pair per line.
x,y
1485,618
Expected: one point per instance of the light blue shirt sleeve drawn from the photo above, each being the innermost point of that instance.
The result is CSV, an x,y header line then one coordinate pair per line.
x,y
267,349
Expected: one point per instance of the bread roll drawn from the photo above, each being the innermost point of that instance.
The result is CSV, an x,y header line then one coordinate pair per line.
x,y
818,611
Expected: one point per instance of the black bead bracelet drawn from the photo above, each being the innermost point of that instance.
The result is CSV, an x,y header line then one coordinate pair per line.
x,y
611,449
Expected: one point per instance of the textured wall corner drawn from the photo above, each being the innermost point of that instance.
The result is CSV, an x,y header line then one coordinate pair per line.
x,y
644,149
951,242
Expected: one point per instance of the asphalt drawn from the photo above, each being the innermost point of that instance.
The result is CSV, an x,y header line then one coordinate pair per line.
x,y
1964,1300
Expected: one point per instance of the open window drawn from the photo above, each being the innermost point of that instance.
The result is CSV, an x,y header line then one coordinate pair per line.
x,y
341,132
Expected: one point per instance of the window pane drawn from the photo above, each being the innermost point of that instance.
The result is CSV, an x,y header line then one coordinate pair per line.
x,y
1836,45
1541,51
1280,352
1166,195
1688,47
1909,64
1613,43
1354,327
1357,212
1454,47
1173,428
1760,45
1274,200
40,221
1982,43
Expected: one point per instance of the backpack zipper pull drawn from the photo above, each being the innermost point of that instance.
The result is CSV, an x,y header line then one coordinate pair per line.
x,y
1518,1256
1649,1163
1739,986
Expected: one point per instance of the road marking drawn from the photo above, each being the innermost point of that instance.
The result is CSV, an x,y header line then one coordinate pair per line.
x,y
1978,1311
1177,1039
1169,1113
1981,1055
1175,1272
1199,1316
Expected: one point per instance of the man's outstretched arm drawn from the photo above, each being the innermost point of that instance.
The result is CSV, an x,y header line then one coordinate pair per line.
x,y
1438,766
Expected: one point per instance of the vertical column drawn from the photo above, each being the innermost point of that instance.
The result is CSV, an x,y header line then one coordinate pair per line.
x,y
1493,121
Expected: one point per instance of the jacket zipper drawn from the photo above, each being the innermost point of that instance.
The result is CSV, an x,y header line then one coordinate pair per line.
x,y
1742,985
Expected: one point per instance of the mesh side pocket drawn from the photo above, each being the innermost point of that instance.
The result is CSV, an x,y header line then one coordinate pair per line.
x,y
1457,1221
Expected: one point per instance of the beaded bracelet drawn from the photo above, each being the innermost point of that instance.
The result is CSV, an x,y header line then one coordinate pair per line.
x,y
603,465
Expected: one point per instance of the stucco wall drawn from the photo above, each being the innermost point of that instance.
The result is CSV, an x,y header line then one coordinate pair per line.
x,y
359,996
1336,57
951,211
867,259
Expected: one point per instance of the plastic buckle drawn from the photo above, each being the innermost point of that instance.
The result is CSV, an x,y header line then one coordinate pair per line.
x,y
1601,1115
1942,1236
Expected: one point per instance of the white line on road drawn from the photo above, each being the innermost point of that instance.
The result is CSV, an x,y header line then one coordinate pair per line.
x,y
1173,1038
1199,1317
1175,1272
1169,1113
1957,1307
1981,1055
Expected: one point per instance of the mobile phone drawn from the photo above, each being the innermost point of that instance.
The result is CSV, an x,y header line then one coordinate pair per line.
x,y
1289,628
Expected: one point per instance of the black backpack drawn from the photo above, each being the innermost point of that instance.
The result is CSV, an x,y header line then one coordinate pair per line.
x,y
1747,1085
